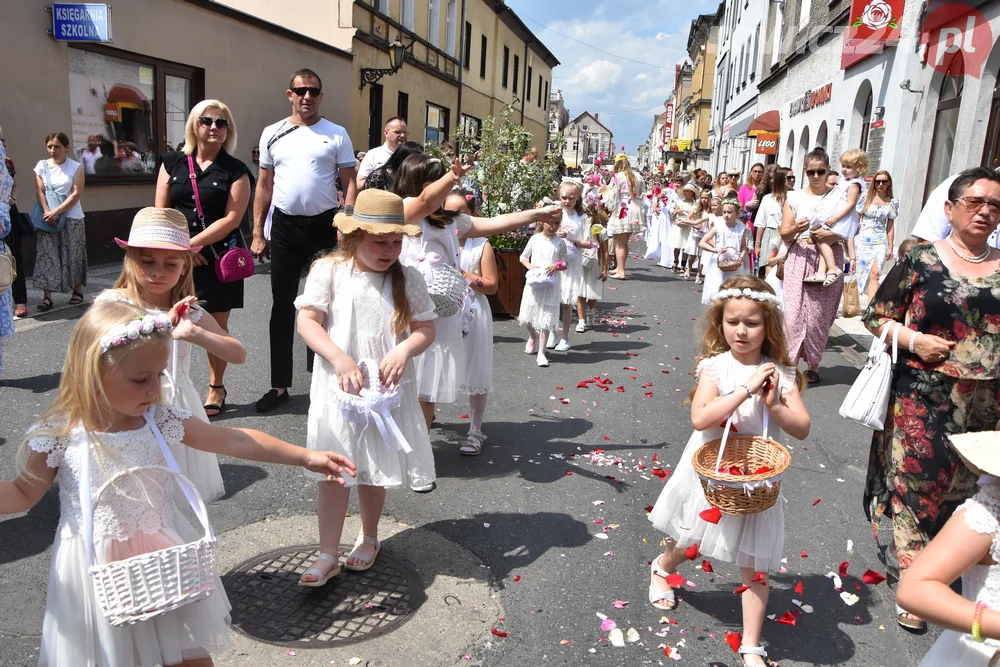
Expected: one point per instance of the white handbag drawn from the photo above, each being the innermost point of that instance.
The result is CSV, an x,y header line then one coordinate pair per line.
x,y
7,271
867,402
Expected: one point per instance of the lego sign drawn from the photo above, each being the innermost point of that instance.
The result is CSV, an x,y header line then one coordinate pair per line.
x,y
767,144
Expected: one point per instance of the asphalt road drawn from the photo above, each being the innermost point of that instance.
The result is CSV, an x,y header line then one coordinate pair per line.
x,y
534,507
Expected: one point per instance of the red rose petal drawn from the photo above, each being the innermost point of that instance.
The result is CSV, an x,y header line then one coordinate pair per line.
x,y
581,385
607,437
559,388
741,590
649,394
569,472
872,577
757,577
620,390
666,372
735,640
463,416
630,368
706,567
816,502
656,457
786,619
517,578
675,580
649,508
711,515
843,568
691,552
798,588
805,555
499,633
662,474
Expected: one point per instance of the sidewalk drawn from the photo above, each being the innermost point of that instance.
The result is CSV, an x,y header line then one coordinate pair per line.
x,y
99,278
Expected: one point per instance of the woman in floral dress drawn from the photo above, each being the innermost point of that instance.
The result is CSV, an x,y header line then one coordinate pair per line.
x,y
948,380
873,244
6,301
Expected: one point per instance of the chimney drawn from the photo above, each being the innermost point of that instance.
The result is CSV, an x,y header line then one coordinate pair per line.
x,y
597,116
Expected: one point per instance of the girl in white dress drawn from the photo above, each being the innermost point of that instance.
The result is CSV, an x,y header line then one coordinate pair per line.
x,y
480,269
728,240
744,372
106,413
596,273
680,232
663,205
575,231
777,251
361,304
545,255
624,201
698,220
156,276
968,547
425,183
705,256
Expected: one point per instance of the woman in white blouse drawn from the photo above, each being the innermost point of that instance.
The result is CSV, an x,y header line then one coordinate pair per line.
x,y
769,212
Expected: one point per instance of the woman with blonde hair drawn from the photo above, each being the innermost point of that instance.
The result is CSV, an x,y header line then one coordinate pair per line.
x,y
624,201
224,186
873,245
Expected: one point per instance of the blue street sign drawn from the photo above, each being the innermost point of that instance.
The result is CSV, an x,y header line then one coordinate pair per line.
x,y
81,22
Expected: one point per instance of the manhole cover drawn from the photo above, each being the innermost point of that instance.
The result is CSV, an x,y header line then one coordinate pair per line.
x,y
270,606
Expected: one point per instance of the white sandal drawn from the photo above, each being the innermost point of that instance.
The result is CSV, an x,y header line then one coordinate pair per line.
x,y
367,560
753,650
656,596
321,578
473,445
832,277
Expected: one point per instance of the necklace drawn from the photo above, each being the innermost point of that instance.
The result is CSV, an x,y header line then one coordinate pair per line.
x,y
974,259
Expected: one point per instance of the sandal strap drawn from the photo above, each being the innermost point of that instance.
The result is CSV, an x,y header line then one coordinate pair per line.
x,y
315,571
752,650
654,567
365,539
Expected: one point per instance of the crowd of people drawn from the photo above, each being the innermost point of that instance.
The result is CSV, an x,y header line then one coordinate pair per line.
x,y
396,320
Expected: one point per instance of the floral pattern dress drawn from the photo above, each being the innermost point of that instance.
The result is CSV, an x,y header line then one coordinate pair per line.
x,y
872,242
914,477
6,301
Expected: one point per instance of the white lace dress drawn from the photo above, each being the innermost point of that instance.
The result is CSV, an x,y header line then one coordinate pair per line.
x,y
129,520
441,367
178,390
576,227
625,204
358,307
754,541
479,341
725,237
592,287
540,303
980,583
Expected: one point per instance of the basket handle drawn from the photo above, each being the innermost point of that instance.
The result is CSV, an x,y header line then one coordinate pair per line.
x,y
725,435
369,369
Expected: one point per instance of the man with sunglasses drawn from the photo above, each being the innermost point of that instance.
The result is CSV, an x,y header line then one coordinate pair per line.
x,y
933,225
300,159
395,136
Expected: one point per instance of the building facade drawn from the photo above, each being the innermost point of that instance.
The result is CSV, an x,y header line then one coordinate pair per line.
x,y
586,140
696,108
558,116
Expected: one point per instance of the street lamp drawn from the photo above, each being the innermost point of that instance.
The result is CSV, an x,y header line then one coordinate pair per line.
x,y
397,54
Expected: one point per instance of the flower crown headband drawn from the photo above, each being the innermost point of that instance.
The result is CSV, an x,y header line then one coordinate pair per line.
x,y
746,293
123,334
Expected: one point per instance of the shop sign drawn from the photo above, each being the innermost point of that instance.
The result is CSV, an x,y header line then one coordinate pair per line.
x,y
668,123
812,99
960,30
873,25
81,22
725,131
767,144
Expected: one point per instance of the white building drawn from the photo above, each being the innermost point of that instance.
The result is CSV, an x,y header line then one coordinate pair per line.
x,y
586,140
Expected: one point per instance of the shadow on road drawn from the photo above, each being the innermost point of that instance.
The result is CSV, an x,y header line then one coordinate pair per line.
x,y
38,384
31,534
238,477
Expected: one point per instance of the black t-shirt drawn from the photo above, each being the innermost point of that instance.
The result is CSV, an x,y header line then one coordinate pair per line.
x,y
213,188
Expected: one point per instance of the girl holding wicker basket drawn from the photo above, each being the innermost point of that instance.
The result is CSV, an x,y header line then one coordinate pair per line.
x,y
131,582
728,510
727,243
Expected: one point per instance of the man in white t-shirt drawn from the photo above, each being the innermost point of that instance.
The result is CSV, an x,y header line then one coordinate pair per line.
x,y
395,136
933,225
300,159
91,154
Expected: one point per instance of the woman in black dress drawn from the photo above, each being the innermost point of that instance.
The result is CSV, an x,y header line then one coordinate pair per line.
x,y
224,186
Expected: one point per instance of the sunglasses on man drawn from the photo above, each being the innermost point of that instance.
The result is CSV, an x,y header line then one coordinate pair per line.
x,y
207,121
815,172
301,91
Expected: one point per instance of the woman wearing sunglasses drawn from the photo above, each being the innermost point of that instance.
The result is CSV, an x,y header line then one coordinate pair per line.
x,y
223,192
873,244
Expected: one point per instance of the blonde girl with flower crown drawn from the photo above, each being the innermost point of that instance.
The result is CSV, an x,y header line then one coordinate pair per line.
x,y
157,276
106,420
624,201
744,375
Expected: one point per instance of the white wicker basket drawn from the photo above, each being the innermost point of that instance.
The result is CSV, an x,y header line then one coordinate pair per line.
x,y
373,406
589,257
145,586
447,289
539,278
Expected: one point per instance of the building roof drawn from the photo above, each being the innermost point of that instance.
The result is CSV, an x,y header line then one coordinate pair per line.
x,y
517,26
592,118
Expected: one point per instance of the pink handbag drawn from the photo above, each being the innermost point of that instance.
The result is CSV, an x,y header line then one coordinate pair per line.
x,y
235,264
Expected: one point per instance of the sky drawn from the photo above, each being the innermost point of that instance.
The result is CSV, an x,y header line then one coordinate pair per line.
x,y
626,94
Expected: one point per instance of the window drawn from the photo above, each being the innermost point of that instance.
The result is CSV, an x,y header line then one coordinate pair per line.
x,y
406,14
436,129
756,47
472,125
452,18
467,56
517,63
991,154
506,64
945,125
539,91
482,59
527,83
380,6
374,115
804,13
779,28
546,94
403,106
434,22
136,106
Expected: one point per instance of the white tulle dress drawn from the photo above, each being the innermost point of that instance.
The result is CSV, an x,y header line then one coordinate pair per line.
x,y
441,367
625,204
358,307
661,227
980,583
576,226
178,390
754,541
129,520
592,287
725,237
679,234
540,304
479,340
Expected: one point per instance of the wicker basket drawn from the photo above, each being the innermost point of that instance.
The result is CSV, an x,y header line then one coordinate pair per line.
x,y
148,585
739,495
589,257
447,290
729,265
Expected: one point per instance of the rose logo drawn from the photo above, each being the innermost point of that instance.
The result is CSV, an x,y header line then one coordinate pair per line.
x,y
877,15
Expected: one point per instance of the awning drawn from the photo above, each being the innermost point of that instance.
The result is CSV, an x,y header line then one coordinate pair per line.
x,y
768,122
127,96
740,128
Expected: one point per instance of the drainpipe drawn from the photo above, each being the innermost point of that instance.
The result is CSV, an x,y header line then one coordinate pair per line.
x,y
461,71
524,81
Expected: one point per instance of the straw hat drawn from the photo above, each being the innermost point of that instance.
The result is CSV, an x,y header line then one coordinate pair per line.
x,y
159,229
376,212
979,450
692,188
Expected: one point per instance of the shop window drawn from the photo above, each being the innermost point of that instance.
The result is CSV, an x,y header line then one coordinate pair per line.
x,y
436,128
130,108
945,125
